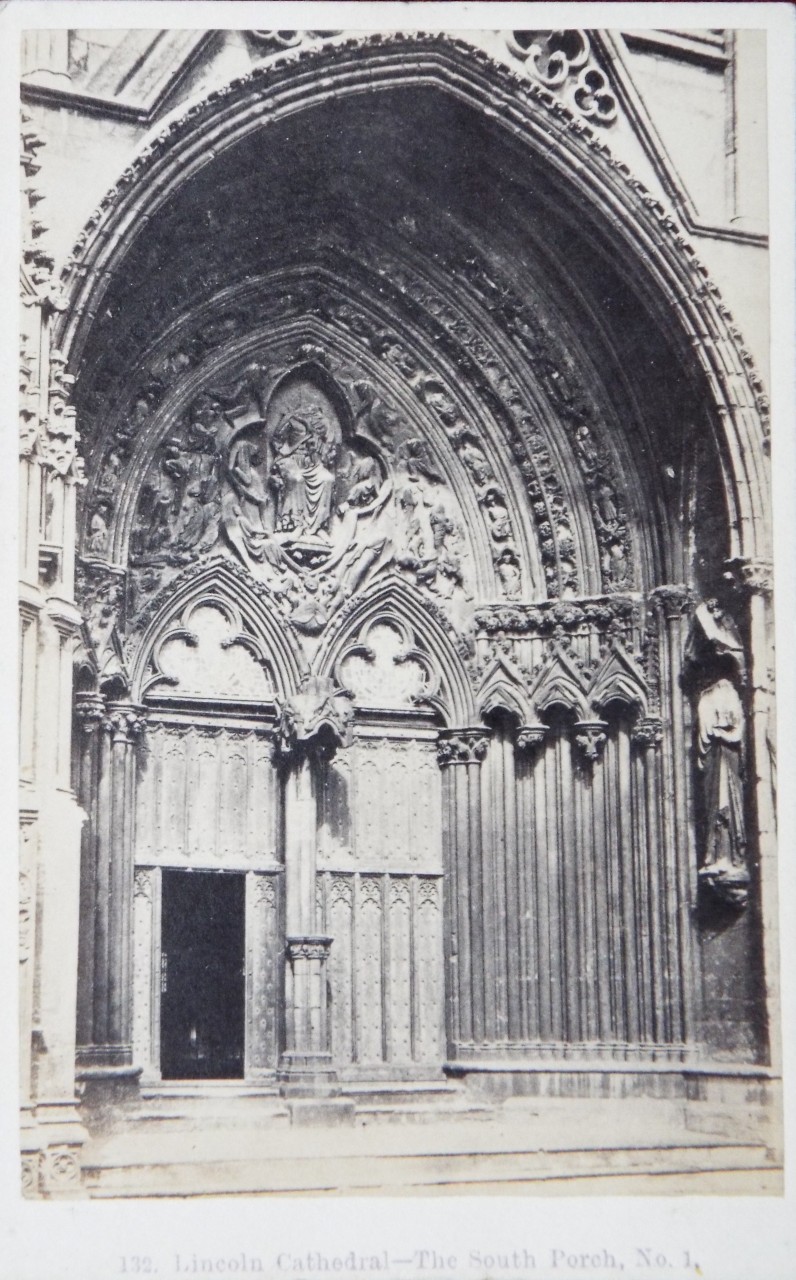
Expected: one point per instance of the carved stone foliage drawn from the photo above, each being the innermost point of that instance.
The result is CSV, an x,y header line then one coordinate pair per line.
x,y
544,619
563,61
462,746
47,421
209,653
319,718
312,483
332,59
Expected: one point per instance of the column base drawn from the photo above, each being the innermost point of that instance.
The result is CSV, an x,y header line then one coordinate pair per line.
x,y
51,1143
307,1075
107,1091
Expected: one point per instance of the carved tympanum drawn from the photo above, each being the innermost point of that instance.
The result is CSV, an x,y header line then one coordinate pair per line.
x,y
314,486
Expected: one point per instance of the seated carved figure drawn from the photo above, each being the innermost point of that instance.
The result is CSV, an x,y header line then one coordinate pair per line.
x,y
301,477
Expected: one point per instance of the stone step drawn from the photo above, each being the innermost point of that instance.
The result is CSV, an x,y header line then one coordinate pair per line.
x,y
415,1172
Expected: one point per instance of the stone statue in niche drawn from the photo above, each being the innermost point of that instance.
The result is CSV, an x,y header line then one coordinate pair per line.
x,y
715,670
315,486
720,744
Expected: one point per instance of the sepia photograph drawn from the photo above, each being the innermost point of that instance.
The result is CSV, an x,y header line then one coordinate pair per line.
x,y
397,755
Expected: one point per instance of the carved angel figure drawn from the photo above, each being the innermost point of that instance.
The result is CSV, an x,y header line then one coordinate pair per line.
x,y
243,507
720,727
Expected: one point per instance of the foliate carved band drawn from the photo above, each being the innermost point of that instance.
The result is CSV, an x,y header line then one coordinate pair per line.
x,y
590,737
315,947
462,746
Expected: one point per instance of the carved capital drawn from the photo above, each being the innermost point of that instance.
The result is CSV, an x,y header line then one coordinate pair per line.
x,y
89,711
462,746
590,737
123,721
753,576
530,737
647,732
318,719
309,947
673,600
142,886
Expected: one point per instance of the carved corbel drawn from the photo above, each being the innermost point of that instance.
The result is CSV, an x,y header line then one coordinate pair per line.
x,y
530,737
753,576
590,737
317,719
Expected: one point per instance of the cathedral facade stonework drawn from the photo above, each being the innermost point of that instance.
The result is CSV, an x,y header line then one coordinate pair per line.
x,y
397,675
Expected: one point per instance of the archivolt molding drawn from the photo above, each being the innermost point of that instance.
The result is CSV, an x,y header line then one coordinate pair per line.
x,y
640,224
463,410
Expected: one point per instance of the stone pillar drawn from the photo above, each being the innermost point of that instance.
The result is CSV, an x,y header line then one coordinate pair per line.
x,y
460,753
50,470
672,604
312,726
755,579
106,769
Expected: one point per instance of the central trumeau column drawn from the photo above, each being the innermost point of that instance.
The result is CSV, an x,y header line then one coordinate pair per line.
x,y
313,725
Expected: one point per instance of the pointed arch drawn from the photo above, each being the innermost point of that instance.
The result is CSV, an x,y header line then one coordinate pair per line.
x,y
642,235
220,583
560,683
392,599
619,680
503,689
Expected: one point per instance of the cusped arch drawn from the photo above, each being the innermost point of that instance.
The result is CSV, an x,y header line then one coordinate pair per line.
x,y
619,679
254,625
391,599
642,234
559,684
503,689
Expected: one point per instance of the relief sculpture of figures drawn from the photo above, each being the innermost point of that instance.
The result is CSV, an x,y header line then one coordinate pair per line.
x,y
311,510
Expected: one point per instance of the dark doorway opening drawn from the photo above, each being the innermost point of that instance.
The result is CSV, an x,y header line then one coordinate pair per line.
x,y
202,977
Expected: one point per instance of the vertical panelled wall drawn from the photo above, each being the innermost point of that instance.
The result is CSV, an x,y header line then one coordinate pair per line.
x,y
207,798
569,849
380,899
